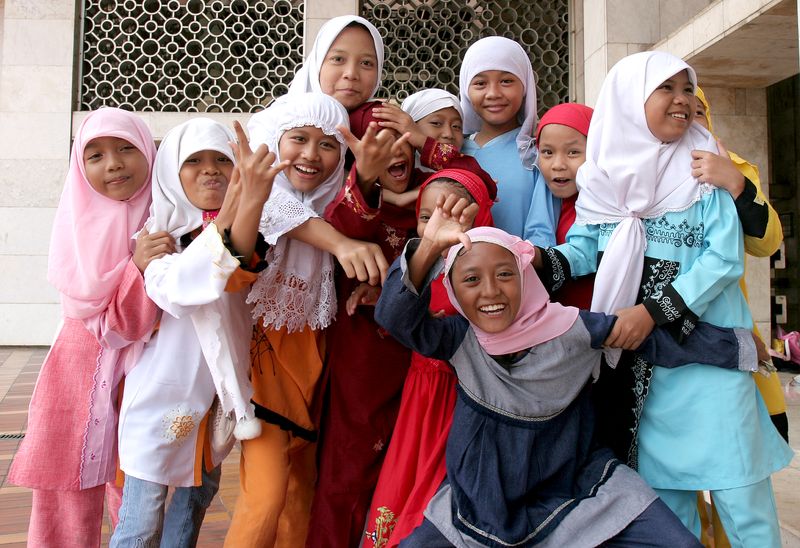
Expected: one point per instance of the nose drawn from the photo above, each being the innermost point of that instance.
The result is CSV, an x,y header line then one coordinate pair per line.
x,y
351,69
310,151
489,287
559,161
210,167
447,132
493,89
115,161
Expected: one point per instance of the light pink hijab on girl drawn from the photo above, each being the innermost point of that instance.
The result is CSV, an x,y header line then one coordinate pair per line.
x,y
91,242
538,320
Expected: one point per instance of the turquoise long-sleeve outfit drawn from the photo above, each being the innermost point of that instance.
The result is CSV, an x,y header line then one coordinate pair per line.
x,y
696,427
525,206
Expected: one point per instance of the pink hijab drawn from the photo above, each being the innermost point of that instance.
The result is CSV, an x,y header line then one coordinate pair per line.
x,y
538,319
91,242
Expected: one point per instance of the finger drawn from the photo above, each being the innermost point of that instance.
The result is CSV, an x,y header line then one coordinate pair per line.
x,y
469,214
722,150
361,272
439,314
612,338
383,265
260,153
373,272
699,154
464,239
349,271
143,233
349,139
371,133
397,148
243,143
350,305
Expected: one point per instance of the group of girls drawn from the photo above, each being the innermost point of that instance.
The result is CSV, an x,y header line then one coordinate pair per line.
x,y
230,288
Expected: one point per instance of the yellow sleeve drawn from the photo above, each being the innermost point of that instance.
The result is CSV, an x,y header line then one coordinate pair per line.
x,y
773,236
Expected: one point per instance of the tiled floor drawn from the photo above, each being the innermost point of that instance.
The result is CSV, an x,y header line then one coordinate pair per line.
x,y
20,366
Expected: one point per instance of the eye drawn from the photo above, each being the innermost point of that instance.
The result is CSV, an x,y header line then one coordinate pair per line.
x,y
457,127
478,83
127,148
327,145
368,63
505,274
471,279
435,123
191,161
336,59
665,87
94,156
424,218
545,152
224,160
574,153
507,81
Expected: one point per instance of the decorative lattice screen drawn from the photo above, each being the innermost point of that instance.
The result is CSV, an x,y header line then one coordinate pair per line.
x,y
189,55
426,40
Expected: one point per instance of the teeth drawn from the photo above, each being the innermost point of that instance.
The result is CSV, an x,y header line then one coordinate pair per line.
x,y
679,115
308,170
493,308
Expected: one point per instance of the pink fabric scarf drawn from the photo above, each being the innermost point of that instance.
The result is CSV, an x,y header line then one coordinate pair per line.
x,y
538,320
91,240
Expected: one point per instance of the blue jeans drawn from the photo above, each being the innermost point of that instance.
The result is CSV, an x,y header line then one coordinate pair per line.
x,y
142,523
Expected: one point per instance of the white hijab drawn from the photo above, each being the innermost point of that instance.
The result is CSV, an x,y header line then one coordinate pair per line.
x,y
498,53
306,78
630,175
427,101
171,210
296,289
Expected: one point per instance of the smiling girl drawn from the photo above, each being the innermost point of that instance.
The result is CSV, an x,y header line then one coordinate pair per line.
x,y
294,301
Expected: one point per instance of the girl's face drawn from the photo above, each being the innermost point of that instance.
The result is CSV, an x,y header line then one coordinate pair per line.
x,y
487,286
427,202
204,177
700,113
313,156
562,150
397,176
350,69
114,167
670,108
497,98
444,126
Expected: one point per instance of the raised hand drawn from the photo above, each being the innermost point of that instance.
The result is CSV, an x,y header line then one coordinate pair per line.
x,y
256,172
373,153
393,117
150,247
451,218
230,204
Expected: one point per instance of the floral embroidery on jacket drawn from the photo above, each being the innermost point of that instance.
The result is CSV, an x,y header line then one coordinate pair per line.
x,y
179,423
384,525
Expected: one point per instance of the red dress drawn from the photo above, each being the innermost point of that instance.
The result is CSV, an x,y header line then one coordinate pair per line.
x,y
578,292
364,374
415,462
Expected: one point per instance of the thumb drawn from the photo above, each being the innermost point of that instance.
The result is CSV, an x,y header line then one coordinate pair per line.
x,y
722,150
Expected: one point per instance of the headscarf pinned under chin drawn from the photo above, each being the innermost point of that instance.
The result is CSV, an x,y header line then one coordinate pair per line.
x,y
630,175
498,53
306,79
538,320
296,290
171,210
91,241
475,180
424,103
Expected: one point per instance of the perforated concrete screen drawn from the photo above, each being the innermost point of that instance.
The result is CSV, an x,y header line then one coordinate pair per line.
x,y
189,55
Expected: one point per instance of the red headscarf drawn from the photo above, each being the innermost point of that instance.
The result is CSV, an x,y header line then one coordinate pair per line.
x,y
362,116
466,171
572,115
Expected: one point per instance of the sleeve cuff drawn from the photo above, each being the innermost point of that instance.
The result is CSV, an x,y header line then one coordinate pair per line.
x,y
748,356
555,270
405,257
670,312
753,211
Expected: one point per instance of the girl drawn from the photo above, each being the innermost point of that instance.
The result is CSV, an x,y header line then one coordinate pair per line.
x,y
762,237
295,300
414,466
345,62
498,96
522,466
430,116
674,247
561,140
365,368
163,428
107,318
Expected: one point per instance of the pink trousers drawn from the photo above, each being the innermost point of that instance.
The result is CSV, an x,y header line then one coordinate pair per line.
x,y
67,519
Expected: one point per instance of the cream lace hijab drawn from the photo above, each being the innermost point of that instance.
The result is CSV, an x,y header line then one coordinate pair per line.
x,y
296,289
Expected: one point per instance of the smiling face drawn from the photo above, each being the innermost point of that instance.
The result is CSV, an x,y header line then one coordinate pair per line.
x,y
562,150
497,98
487,285
670,108
397,176
444,126
313,156
350,69
114,167
204,177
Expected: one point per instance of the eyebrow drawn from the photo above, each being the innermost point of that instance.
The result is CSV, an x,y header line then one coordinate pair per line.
x,y
365,54
568,143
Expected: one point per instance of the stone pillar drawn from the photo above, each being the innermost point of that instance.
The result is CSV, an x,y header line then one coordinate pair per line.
x,y
319,11
36,86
